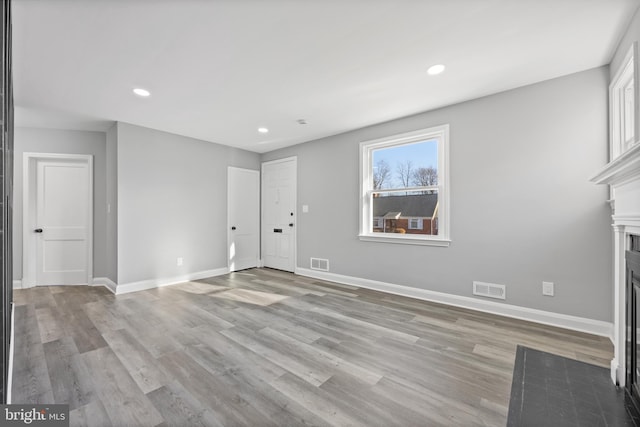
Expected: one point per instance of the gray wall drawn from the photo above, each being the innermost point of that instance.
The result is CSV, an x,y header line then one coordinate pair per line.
x,y
166,195
172,202
631,35
112,204
67,142
522,208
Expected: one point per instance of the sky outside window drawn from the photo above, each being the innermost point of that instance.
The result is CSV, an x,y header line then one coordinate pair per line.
x,y
421,154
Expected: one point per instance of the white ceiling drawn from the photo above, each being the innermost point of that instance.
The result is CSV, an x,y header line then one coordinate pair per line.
x,y
219,69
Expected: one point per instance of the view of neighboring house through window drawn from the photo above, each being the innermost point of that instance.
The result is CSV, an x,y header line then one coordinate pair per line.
x,y
404,187
378,222
415,223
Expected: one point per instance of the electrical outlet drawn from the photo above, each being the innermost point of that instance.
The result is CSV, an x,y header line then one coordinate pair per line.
x,y
179,261
547,288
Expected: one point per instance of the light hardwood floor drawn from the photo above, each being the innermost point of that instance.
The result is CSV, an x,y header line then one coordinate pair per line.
x,y
267,348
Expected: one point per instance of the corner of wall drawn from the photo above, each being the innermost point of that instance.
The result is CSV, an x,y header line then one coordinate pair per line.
x,y
112,204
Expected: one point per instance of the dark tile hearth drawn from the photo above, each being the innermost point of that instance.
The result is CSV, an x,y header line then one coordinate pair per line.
x,y
550,390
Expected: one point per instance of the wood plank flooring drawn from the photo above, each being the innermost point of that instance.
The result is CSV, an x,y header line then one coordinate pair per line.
x,y
267,348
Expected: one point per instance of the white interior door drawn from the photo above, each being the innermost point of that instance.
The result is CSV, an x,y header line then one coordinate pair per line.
x,y
279,214
61,225
243,218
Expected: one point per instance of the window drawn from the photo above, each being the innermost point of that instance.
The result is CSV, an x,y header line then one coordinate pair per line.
x,y
415,223
405,188
622,96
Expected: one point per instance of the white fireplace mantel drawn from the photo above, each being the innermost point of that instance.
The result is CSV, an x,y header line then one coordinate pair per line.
x,y
623,169
623,175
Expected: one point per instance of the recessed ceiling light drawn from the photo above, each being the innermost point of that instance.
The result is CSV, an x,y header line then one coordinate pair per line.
x,y
141,92
263,130
435,69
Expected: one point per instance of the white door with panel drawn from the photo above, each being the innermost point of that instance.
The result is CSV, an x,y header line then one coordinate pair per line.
x,y
279,214
243,218
62,228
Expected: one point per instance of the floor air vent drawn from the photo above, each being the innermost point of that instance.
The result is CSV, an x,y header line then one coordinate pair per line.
x,y
490,290
319,264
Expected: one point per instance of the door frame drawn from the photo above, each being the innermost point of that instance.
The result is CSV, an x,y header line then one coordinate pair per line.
x,y
29,196
295,206
229,222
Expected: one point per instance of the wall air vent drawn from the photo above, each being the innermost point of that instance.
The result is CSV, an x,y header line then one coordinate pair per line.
x,y
319,264
490,290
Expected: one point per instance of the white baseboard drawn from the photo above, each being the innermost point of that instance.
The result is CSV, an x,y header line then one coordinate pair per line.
x,y
106,282
145,284
617,379
11,347
157,283
581,324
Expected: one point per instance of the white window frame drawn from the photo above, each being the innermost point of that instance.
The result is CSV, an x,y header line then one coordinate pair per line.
x,y
624,112
441,135
419,224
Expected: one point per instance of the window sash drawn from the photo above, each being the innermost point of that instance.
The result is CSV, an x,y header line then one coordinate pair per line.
x,y
405,190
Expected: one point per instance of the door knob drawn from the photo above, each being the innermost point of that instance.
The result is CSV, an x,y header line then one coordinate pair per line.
x,y
38,230
233,228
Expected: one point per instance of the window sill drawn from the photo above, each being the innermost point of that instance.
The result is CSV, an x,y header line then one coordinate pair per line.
x,y
405,240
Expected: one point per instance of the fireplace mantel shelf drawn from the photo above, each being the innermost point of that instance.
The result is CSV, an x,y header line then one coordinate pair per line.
x,y
625,168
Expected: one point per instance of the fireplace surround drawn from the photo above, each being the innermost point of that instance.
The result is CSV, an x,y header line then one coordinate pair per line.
x,y
623,176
